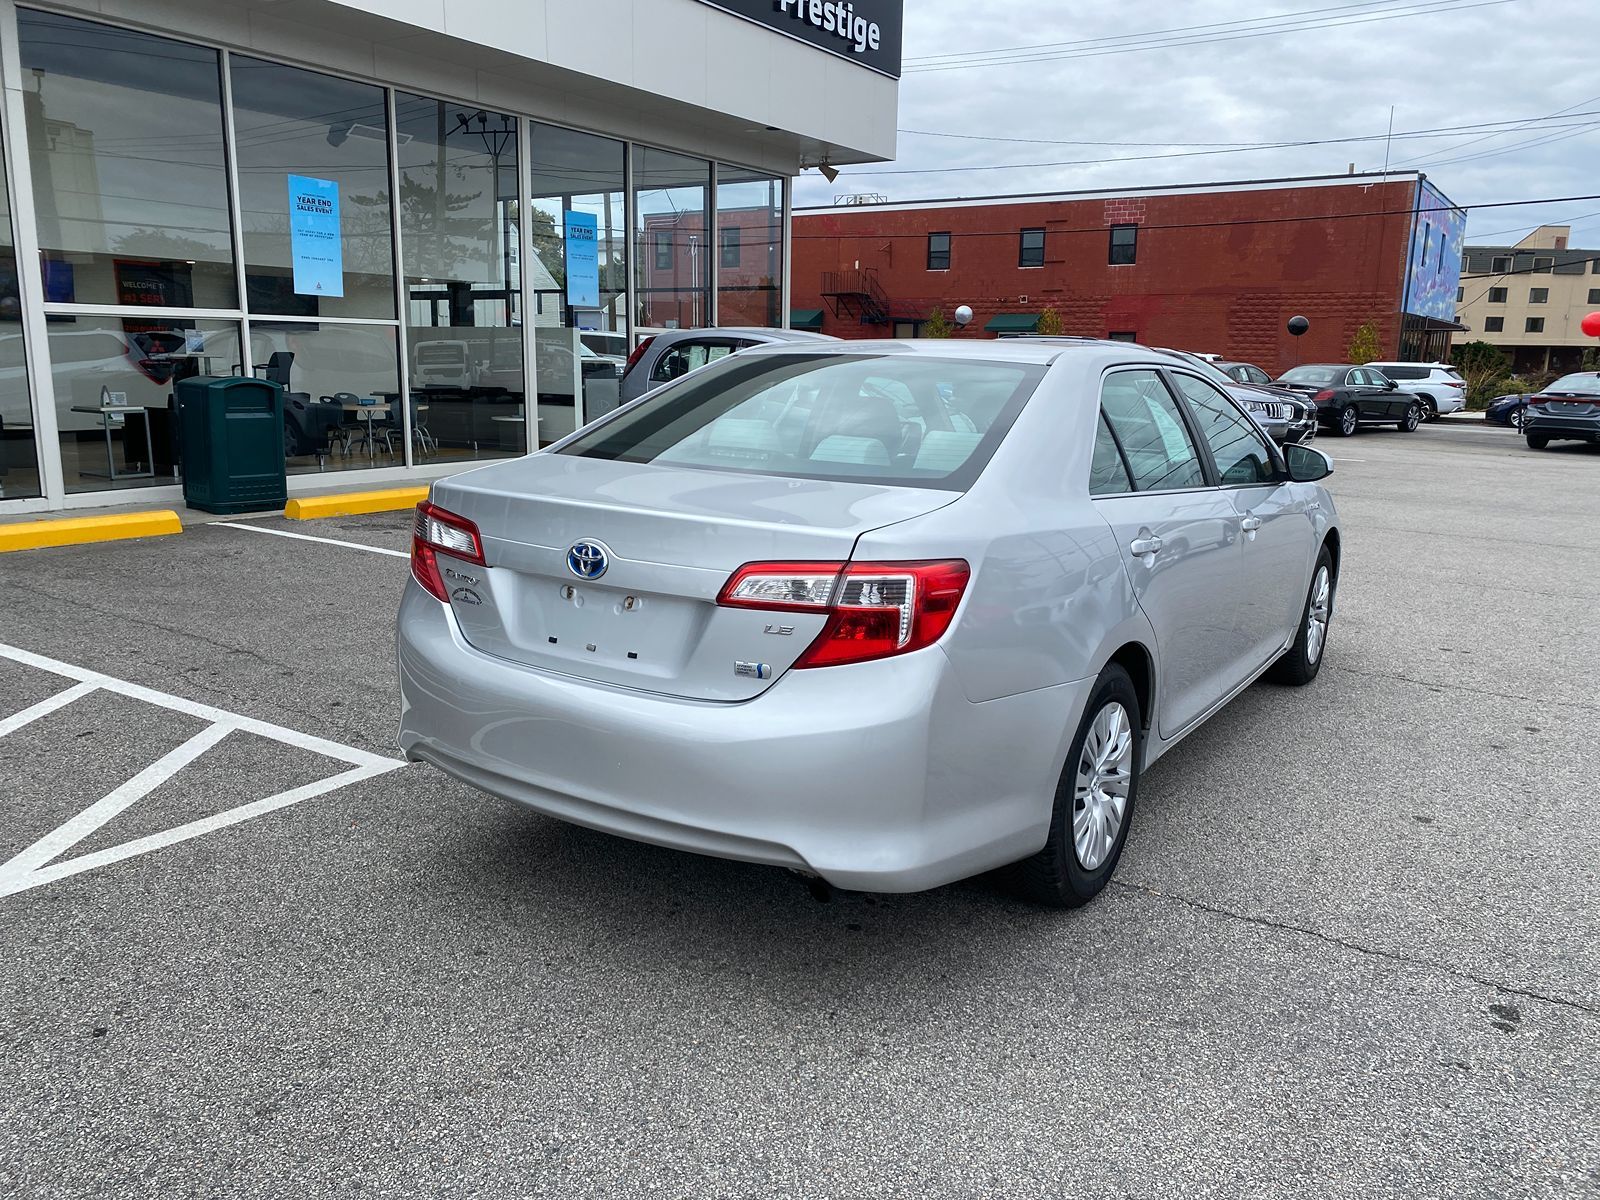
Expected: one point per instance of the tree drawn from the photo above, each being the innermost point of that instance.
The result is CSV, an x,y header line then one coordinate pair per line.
x,y
1049,323
1483,368
1364,345
937,325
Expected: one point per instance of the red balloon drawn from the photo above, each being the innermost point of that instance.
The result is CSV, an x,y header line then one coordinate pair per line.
x,y
1591,324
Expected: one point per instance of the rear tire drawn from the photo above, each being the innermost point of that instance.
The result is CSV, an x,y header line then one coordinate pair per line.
x,y
1430,410
1102,762
1413,418
1537,441
1345,423
1301,662
1518,417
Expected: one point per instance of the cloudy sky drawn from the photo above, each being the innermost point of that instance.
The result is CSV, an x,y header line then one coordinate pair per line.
x,y
1509,85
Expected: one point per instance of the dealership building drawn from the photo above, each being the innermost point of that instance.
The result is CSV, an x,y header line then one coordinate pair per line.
x,y
1217,267
438,224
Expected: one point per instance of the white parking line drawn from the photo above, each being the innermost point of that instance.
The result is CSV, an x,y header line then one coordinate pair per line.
x,y
306,537
36,865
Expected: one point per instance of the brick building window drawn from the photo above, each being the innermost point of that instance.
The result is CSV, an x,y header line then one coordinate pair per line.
x,y
663,250
1497,295
1538,295
1533,325
1030,248
1124,246
1123,335
938,252
1494,324
730,246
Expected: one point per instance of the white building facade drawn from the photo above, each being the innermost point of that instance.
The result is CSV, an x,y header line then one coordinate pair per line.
x,y
438,224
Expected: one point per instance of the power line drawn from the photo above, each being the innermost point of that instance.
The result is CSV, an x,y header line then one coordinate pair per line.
x,y
1442,131
1425,160
1428,7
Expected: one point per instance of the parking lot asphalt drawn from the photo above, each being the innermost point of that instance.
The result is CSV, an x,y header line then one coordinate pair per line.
x,y
1353,947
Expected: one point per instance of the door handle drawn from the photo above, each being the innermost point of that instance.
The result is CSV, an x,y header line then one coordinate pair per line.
x,y
1139,547
1250,524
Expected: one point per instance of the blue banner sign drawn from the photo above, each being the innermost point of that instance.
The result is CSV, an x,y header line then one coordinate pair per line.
x,y
315,246
583,259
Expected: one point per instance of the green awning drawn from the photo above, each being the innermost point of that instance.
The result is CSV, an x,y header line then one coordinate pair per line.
x,y
1013,323
805,318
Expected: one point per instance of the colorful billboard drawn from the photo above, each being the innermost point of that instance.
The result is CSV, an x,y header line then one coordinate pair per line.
x,y
1434,272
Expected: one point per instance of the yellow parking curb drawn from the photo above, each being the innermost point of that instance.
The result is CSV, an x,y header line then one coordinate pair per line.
x,y
349,504
74,531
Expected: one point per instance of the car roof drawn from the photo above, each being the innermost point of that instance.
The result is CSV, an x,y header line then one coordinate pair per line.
x,y
1045,350
750,331
1330,366
1399,363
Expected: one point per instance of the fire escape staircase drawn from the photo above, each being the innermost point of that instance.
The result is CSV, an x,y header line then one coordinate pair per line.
x,y
857,295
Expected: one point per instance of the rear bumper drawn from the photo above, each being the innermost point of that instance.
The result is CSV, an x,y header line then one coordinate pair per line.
x,y
1541,424
877,777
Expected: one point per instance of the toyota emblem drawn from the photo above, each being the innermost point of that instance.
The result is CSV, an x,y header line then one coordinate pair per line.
x,y
588,559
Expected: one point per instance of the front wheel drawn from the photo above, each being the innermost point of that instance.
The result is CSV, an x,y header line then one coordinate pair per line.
x,y
1345,423
1537,441
1301,662
1413,418
1094,799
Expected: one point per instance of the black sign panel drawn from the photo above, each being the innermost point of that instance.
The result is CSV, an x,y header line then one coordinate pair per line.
x,y
868,32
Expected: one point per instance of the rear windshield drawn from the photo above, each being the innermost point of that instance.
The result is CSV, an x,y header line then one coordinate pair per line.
x,y
886,418
1312,374
1585,385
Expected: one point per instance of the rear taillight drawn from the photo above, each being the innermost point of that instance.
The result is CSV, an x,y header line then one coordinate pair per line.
x,y
638,351
1324,394
440,532
874,609
1537,399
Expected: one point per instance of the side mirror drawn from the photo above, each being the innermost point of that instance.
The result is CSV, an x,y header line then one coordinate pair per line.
x,y
1389,385
1306,464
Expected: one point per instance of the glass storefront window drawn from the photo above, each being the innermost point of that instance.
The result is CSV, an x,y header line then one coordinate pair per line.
x,y
579,284
114,380
129,179
749,248
19,456
673,254
460,241
341,393
313,157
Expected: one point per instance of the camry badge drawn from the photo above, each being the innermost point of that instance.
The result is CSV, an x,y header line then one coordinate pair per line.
x,y
588,559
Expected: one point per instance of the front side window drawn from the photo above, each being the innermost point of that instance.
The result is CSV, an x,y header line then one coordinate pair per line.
x,y
1533,325
1538,295
938,252
1149,427
1237,447
1030,251
900,419
1108,474
1124,245
1497,295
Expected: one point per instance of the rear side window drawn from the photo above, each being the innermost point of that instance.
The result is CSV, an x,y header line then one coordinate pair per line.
x,y
685,357
1150,429
1397,373
904,419
1237,445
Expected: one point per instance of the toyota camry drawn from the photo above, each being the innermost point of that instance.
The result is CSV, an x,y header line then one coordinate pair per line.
x,y
885,613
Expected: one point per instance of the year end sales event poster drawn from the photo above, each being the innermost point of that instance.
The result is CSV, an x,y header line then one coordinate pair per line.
x,y
314,242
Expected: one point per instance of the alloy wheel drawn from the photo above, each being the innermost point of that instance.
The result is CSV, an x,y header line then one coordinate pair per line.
x,y
1519,417
1317,614
1100,797
1348,419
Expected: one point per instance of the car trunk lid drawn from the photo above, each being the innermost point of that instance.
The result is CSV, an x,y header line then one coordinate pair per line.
x,y
669,538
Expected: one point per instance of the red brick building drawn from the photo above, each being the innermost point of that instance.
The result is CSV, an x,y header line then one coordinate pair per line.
x,y
1218,267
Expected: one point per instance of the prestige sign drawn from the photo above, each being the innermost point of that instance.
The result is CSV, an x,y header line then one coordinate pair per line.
x,y
864,31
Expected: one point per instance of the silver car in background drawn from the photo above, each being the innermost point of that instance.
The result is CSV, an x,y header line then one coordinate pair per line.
x,y
663,357
887,613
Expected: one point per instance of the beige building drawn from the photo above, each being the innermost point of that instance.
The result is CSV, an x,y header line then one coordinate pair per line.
x,y
1528,299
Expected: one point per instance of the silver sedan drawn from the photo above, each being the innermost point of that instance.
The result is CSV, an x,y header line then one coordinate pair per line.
x,y
887,613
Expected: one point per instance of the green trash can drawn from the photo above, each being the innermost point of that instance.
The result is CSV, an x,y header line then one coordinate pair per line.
x,y
230,430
